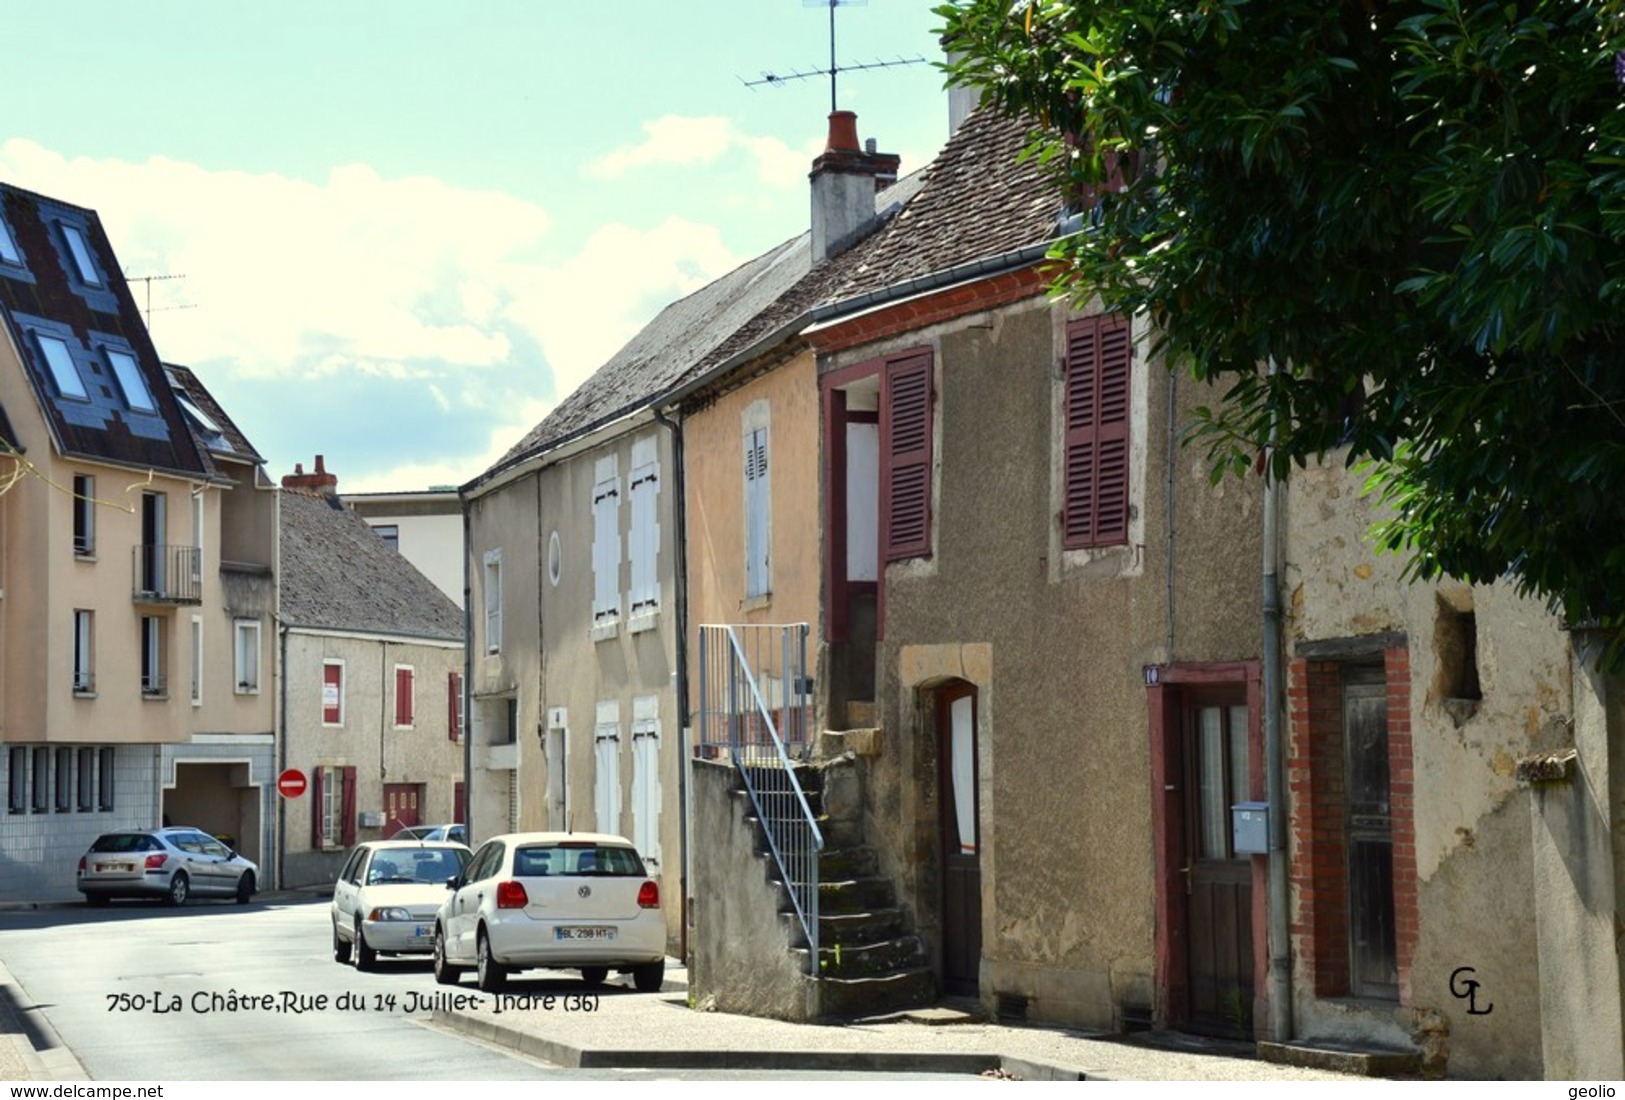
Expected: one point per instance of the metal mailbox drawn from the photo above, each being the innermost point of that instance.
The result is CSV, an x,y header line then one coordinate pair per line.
x,y
1250,828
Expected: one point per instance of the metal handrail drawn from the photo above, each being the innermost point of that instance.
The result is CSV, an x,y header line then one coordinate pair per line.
x,y
788,822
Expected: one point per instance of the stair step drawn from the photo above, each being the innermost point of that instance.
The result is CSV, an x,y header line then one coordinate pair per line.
x,y
858,895
835,864
870,960
870,996
858,928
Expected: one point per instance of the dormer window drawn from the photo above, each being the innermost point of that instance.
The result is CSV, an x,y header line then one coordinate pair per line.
x,y
128,373
60,360
81,255
8,246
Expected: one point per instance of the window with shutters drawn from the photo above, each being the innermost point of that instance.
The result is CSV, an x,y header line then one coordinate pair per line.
x,y
906,456
1095,413
333,818
646,777
643,491
606,548
607,770
332,693
758,504
405,697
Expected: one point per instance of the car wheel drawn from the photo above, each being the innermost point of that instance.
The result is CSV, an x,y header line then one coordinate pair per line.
x,y
649,977
491,975
245,887
341,950
365,957
444,972
594,975
96,901
179,887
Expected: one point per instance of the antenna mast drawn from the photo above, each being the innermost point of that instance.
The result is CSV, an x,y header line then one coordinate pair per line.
x,y
835,69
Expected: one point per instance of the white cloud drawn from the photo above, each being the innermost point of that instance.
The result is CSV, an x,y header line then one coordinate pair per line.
x,y
393,292
685,141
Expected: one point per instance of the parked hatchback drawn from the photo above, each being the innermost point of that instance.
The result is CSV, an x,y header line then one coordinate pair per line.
x,y
452,832
576,901
172,863
386,897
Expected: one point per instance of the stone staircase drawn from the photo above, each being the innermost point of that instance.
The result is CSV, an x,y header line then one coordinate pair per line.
x,y
869,960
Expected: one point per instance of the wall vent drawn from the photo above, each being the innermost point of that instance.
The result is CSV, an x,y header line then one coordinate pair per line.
x,y
1012,1008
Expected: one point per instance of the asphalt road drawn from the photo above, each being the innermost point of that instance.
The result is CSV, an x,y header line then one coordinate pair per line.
x,y
216,992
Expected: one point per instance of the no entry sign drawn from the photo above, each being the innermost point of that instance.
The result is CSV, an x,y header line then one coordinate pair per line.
x,y
291,783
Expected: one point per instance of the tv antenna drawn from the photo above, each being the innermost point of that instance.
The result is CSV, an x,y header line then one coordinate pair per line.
x,y
834,69
149,309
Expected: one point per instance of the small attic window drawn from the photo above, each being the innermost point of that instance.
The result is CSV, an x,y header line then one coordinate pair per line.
x,y
213,435
130,381
8,245
81,255
63,372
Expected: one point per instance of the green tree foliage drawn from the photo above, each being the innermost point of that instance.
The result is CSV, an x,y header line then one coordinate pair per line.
x,y
1415,208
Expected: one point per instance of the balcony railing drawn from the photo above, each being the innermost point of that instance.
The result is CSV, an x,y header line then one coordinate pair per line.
x,y
167,574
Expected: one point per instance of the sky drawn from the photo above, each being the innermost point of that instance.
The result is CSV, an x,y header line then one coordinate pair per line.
x,y
398,233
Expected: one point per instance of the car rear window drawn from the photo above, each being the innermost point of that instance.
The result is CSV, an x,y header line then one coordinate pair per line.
x,y
125,842
536,860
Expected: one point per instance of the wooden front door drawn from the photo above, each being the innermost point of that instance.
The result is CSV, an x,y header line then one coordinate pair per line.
x,y
959,833
1218,883
400,807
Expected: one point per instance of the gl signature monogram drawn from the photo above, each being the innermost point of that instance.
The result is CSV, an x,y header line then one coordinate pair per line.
x,y
1464,987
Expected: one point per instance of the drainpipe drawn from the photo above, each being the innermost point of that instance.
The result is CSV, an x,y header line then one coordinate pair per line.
x,y
680,584
282,753
1280,973
468,681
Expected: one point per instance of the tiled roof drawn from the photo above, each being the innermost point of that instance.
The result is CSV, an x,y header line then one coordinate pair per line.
x,y
39,297
337,574
982,201
702,331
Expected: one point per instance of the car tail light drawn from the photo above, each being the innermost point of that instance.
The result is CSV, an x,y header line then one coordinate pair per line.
x,y
649,896
156,862
511,895
81,865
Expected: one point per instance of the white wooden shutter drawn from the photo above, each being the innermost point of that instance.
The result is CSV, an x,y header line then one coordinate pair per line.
x,y
606,542
646,777
644,491
757,499
607,778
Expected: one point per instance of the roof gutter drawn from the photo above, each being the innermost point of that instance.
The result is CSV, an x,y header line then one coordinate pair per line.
x,y
823,315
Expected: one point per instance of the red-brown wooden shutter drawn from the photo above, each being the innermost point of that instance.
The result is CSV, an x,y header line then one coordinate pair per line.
x,y
316,807
454,705
403,697
905,458
1094,510
347,809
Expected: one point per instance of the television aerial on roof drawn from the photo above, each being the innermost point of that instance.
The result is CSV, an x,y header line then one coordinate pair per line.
x,y
834,69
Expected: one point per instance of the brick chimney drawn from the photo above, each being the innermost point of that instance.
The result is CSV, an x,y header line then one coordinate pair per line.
x,y
844,181
318,481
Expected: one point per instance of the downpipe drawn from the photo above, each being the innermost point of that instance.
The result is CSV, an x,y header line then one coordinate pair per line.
x,y
1280,970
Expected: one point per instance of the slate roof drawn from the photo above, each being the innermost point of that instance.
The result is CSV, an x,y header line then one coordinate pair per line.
x,y
229,442
337,574
981,202
702,331
40,296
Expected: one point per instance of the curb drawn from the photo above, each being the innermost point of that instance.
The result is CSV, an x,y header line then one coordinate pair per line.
x,y
43,1054
568,1056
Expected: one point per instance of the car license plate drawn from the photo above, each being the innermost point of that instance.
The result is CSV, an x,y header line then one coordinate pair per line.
x,y
569,932
420,931
115,867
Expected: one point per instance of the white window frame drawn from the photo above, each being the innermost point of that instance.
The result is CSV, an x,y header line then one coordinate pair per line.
x,y
154,672
332,807
646,777
197,661
412,698
491,584
556,753
643,541
9,253
84,516
338,663
606,548
84,652
246,681
606,799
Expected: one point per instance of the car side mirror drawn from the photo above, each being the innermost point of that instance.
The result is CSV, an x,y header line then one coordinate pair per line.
x,y
454,881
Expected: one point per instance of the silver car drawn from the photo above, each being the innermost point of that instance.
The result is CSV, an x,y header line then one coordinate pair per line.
x,y
576,901
386,896
172,863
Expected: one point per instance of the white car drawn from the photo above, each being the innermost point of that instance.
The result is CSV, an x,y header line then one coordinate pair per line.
x,y
385,899
572,901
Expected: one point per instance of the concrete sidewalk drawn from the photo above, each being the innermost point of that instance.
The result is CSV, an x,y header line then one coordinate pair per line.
x,y
625,1030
